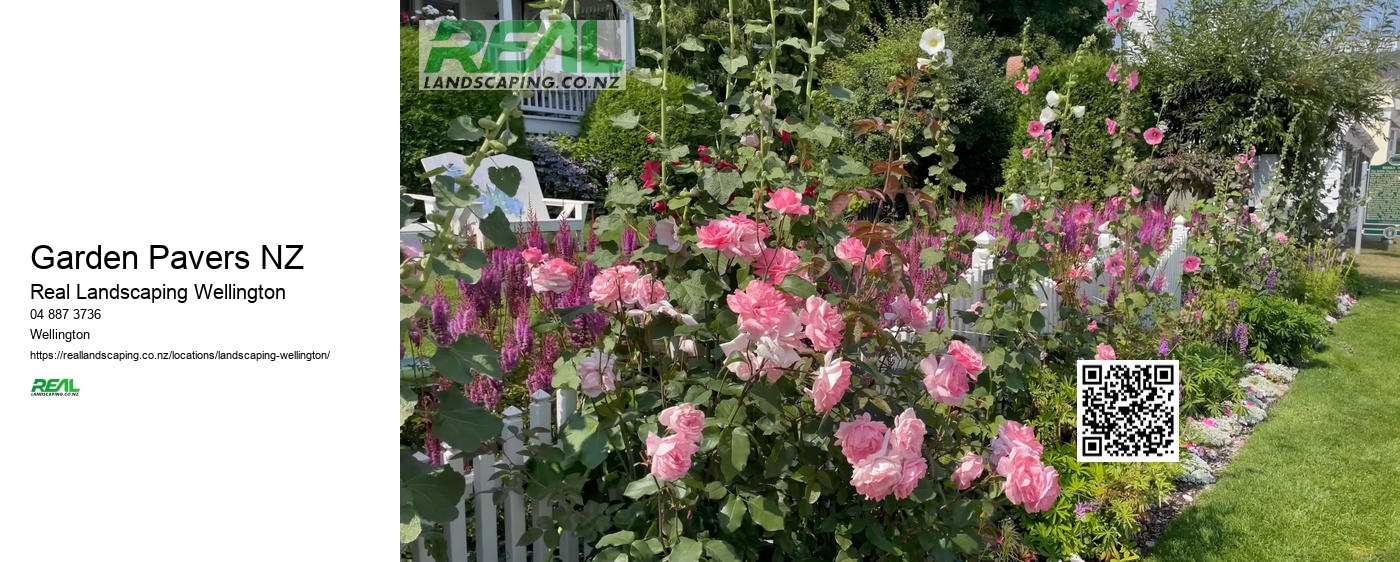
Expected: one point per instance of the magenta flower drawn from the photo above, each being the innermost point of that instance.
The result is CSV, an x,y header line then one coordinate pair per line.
x,y
1111,124
1112,73
1132,80
1033,74
1022,87
1035,129
1191,264
1152,136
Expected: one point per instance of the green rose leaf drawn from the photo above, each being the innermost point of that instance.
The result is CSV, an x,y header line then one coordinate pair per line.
x,y
496,228
734,457
731,516
721,551
641,487
798,286
764,512
686,550
462,423
469,353
582,438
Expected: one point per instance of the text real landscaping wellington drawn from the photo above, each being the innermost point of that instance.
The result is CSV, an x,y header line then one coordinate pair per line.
x,y
275,257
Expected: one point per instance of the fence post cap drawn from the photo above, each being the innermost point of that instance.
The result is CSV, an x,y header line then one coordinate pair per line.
x,y
984,239
512,412
1179,221
540,396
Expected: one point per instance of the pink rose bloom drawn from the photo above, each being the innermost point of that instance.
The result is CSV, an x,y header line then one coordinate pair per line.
x,y
595,374
1191,264
1033,74
1105,352
1132,80
1025,153
643,292
1031,484
851,250
944,379
1035,129
1134,192
913,471
1022,87
876,477
1093,326
532,256
909,312
787,202
907,437
734,236
860,438
1013,436
774,264
608,285
830,382
1112,73
876,260
1111,124
969,468
763,310
1281,238
1152,136
685,420
822,324
968,357
670,456
553,276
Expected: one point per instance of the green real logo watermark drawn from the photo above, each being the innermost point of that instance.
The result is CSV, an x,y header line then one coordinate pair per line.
x,y
541,55
53,387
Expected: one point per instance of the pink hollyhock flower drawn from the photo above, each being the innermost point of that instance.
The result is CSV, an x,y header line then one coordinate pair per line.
x,y
788,202
609,284
822,324
1022,87
860,438
1112,126
1116,266
670,456
595,373
969,468
1033,74
906,440
1031,484
876,477
1026,153
1114,22
1281,238
651,174
553,276
763,310
1105,352
1208,422
1093,326
970,359
851,250
1134,192
774,264
685,420
1112,73
945,379
975,306
734,236
1132,80
643,292
1152,136
912,472
532,256
830,382
1035,129
1127,8
1013,436
1191,264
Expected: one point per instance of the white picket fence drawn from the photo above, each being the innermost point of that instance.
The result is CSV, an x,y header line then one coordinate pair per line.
x,y
500,515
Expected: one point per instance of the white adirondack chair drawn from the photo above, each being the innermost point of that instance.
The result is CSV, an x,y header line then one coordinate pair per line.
x,y
550,214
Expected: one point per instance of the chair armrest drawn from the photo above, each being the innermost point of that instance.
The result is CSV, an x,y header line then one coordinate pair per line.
x,y
572,209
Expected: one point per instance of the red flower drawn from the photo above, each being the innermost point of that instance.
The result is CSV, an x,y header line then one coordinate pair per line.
x,y
701,150
659,206
651,138
786,136
651,175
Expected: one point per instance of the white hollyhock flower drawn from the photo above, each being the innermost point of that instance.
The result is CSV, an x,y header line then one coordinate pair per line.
x,y
1016,203
1078,111
666,234
932,41
923,63
1052,98
1047,115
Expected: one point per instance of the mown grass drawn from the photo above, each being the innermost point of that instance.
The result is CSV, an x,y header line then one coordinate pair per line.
x,y
1320,480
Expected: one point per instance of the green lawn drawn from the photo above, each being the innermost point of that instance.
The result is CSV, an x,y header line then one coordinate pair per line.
x,y
1320,480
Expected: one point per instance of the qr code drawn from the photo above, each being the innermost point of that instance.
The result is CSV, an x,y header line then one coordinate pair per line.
x,y
1128,411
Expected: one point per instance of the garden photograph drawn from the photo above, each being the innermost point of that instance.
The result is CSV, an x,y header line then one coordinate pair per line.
x,y
917,280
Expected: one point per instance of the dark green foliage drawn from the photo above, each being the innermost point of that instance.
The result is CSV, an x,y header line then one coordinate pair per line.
x,y
1209,377
1063,23
626,149
1280,329
424,114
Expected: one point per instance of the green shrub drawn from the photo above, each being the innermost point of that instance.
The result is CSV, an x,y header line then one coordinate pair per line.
x,y
1280,329
626,149
424,115
1209,378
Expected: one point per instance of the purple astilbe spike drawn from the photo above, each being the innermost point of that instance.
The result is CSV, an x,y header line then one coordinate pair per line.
x,y
592,241
541,378
1233,306
432,447
485,391
1198,316
511,354
630,243
1241,335
1269,283
535,239
1082,510
1112,294
523,334
1264,262
940,321
1158,283
442,316
1163,349
564,245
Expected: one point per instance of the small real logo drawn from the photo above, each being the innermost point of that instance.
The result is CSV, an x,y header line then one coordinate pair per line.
x,y
53,387
559,55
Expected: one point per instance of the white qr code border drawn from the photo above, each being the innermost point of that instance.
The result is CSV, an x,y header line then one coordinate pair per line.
x,y
1174,386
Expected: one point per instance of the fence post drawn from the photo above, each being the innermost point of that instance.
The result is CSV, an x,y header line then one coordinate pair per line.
x,y
566,401
513,446
484,472
455,532
540,426
1180,235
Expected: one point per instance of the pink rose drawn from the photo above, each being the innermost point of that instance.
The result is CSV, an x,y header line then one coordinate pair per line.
x,y
1112,126
876,260
643,292
822,323
1093,326
553,276
670,456
787,202
909,312
912,472
1105,352
1035,129
969,468
1033,74
774,264
1134,192
970,359
685,420
830,382
609,284
1031,484
907,437
532,256
860,438
763,310
1013,436
945,379
1281,238
595,373
1152,136
1191,264
876,477
734,236
851,250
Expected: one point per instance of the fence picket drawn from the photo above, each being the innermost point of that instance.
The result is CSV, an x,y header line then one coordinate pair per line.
x,y
484,469
514,502
541,432
566,401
